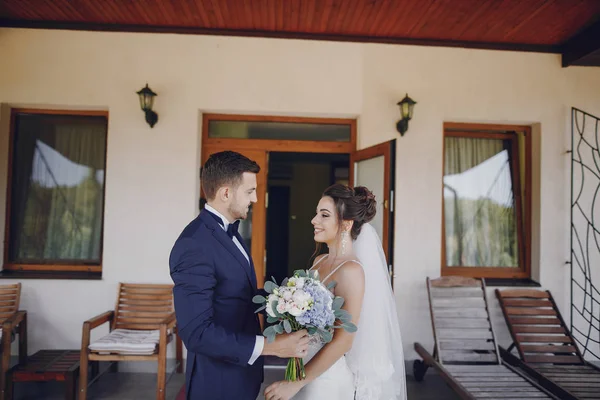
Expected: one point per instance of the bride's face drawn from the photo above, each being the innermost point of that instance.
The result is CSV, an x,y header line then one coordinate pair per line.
x,y
325,222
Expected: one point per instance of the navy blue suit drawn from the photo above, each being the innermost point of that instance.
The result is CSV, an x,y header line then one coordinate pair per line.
x,y
214,286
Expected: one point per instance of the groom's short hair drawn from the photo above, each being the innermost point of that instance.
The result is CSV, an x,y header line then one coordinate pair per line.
x,y
225,168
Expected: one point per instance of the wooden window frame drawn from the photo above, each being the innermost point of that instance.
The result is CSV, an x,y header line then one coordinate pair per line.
x,y
52,266
280,145
452,129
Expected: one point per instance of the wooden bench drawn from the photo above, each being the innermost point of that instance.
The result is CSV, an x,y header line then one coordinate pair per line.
x,y
45,366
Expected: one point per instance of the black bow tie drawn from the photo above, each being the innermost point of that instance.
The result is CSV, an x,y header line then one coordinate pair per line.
x,y
232,229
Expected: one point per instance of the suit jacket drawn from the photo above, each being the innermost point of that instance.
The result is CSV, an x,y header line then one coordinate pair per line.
x,y
214,286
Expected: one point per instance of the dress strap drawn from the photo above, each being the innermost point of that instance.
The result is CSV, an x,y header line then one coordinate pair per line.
x,y
317,263
338,267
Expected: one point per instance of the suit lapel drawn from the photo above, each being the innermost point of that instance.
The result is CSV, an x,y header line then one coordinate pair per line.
x,y
252,270
226,241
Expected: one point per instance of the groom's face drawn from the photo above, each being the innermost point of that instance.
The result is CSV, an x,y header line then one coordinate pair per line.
x,y
243,196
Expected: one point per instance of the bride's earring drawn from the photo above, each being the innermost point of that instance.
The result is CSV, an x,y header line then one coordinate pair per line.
x,y
344,240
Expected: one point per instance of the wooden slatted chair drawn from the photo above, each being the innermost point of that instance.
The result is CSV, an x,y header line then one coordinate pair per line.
x,y
13,322
141,325
465,353
546,348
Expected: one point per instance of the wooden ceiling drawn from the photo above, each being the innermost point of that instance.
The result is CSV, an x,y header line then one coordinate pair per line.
x,y
570,27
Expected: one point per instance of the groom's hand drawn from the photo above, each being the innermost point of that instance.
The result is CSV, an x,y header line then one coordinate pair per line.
x,y
288,345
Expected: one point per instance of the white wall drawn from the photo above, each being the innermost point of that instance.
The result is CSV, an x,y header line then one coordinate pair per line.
x,y
151,190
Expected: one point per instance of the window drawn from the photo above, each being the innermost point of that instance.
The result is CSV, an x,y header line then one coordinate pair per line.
x,y
486,229
56,191
278,130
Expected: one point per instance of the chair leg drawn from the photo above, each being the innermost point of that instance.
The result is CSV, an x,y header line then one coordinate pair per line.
x,y
10,388
23,340
161,379
95,369
70,387
179,353
83,375
114,367
5,362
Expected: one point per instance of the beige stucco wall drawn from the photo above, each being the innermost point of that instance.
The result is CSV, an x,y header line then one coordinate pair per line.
x,y
152,186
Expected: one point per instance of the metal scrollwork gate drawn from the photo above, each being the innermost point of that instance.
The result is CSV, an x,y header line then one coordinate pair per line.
x,y
585,232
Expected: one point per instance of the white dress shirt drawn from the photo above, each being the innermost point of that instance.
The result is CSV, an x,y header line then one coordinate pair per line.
x,y
260,341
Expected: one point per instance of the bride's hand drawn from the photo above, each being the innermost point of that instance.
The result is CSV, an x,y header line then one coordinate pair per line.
x,y
283,390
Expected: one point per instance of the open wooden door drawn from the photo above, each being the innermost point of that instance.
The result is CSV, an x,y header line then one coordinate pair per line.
x,y
253,228
374,167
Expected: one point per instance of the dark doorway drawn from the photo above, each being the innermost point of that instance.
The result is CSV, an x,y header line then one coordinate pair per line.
x,y
295,183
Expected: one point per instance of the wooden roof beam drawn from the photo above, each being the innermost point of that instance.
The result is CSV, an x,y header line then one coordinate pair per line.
x,y
583,48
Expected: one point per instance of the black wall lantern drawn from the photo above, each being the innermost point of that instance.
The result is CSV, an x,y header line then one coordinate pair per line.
x,y
146,102
406,111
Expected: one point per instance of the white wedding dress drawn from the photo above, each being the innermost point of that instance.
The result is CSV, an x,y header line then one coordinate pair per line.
x,y
373,369
335,383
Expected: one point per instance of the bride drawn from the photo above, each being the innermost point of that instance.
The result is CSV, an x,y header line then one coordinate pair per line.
x,y
368,364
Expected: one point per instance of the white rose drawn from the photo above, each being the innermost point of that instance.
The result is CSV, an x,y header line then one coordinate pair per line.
x,y
281,306
300,283
289,305
287,295
301,297
296,311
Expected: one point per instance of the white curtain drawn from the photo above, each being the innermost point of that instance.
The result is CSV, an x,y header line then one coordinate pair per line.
x,y
61,169
479,210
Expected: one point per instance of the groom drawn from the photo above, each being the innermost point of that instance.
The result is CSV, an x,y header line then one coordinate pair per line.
x,y
214,284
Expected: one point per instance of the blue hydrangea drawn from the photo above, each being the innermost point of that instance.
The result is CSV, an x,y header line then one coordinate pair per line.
x,y
321,313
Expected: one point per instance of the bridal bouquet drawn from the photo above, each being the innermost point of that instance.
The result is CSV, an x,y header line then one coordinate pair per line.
x,y
302,302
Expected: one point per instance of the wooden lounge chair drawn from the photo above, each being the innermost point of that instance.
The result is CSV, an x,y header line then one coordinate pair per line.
x,y
141,325
13,321
546,348
466,354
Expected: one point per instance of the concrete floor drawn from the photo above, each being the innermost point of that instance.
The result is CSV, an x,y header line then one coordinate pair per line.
x,y
136,386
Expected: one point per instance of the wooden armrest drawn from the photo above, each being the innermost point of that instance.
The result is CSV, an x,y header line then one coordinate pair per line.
x,y
170,321
14,320
99,319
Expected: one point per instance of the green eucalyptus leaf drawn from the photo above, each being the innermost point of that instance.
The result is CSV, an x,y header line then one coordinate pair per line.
x,y
349,327
287,326
343,315
331,285
326,336
260,309
300,273
338,302
270,333
272,320
258,299
278,328
270,286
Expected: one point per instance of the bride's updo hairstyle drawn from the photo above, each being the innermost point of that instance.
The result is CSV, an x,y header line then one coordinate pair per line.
x,y
358,205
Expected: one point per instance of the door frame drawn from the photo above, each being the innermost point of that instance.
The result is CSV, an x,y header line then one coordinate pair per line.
x,y
264,146
388,151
